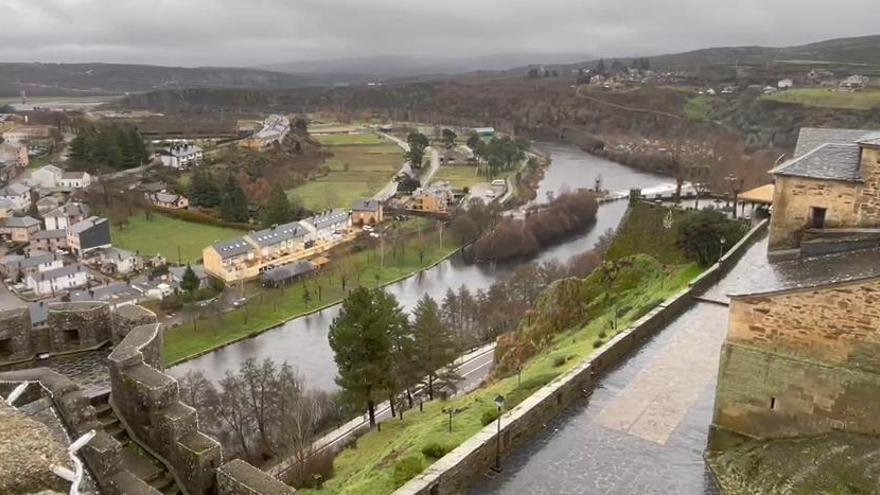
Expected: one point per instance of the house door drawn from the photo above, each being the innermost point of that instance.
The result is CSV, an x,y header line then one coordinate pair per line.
x,y
817,218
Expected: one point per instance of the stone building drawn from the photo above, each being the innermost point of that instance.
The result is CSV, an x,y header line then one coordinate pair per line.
x,y
802,353
827,198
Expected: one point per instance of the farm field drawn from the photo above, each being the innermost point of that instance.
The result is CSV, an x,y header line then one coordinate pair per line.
x,y
459,176
820,97
356,171
164,235
349,139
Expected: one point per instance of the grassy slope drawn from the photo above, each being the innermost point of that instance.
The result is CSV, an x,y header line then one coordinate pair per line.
x,y
642,231
349,139
700,107
370,467
274,306
163,235
820,97
839,463
370,167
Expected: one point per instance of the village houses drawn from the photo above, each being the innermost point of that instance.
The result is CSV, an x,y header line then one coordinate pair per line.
x,y
87,235
18,195
57,280
245,257
19,229
181,156
168,200
66,215
367,212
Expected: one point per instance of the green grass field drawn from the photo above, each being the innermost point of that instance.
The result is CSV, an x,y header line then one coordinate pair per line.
x,y
349,139
700,107
819,97
356,171
459,175
272,307
163,235
370,468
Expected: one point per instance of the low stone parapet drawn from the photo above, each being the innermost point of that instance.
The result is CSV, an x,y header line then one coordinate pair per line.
x,y
237,477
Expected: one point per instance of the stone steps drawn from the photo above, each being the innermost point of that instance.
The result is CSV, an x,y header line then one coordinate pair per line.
x,y
135,459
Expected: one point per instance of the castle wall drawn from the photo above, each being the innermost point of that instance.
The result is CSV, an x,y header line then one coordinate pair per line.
x,y
15,335
802,363
78,325
149,402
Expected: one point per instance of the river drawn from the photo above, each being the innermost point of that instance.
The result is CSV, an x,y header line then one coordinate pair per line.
x,y
303,343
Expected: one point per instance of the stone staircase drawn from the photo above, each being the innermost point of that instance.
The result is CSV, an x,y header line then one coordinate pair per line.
x,y
134,458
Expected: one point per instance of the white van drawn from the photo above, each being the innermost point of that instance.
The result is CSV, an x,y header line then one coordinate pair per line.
x,y
499,182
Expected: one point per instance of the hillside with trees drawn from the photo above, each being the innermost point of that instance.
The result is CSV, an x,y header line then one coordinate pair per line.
x,y
114,146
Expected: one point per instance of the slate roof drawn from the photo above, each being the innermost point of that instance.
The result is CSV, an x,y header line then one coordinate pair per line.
x,y
178,271
231,248
871,139
811,138
58,272
14,189
327,219
73,175
275,235
288,271
366,205
805,273
20,222
17,261
116,292
69,209
86,224
50,234
828,161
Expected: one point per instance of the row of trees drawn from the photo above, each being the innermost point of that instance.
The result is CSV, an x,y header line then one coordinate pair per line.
x,y
511,238
230,199
115,146
381,353
262,411
500,154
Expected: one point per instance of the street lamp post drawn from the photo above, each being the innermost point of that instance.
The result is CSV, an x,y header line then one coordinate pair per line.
x,y
499,403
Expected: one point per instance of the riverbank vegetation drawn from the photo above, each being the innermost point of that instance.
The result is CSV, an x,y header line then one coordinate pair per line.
x,y
410,247
513,238
559,323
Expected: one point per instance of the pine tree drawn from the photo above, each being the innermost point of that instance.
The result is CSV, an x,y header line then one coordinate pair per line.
x,y
278,208
361,339
190,282
233,205
435,346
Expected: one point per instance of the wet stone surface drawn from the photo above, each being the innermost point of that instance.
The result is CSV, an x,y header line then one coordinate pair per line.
x,y
88,369
644,428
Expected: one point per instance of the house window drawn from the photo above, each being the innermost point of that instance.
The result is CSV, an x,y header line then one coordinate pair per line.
x,y
772,403
817,218
71,336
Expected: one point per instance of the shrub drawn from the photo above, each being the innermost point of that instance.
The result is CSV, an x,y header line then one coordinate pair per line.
x,y
489,415
318,468
559,361
435,450
406,469
598,343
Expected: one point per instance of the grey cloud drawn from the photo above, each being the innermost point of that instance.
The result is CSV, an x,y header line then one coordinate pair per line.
x,y
227,32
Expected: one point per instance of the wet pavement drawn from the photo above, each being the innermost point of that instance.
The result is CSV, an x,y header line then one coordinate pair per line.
x,y
643,430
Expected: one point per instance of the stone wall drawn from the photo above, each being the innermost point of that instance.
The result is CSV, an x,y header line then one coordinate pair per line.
x,y
237,477
15,335
78,325
103,453
127,317
149,402
869,207
454,473
802,362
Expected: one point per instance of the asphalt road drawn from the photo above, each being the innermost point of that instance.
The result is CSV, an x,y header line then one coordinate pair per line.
x,y
473,368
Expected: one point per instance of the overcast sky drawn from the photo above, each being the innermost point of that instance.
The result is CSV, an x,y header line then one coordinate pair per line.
x,y
254,32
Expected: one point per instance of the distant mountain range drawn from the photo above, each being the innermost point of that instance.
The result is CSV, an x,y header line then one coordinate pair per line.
x,y
384,67
100,79
851,54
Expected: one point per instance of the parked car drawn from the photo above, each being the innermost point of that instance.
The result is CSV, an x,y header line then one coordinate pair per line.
x,y
499,182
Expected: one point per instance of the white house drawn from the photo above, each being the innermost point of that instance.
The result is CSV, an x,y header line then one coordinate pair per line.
x,y
854,82
18,195
46,177
66,215
115,260
87,235
325,226
181,156
71,181
12,265
58,280
785,84
168,200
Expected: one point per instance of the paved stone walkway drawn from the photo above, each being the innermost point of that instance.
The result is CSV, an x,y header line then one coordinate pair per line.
x,y
644,428
88,369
